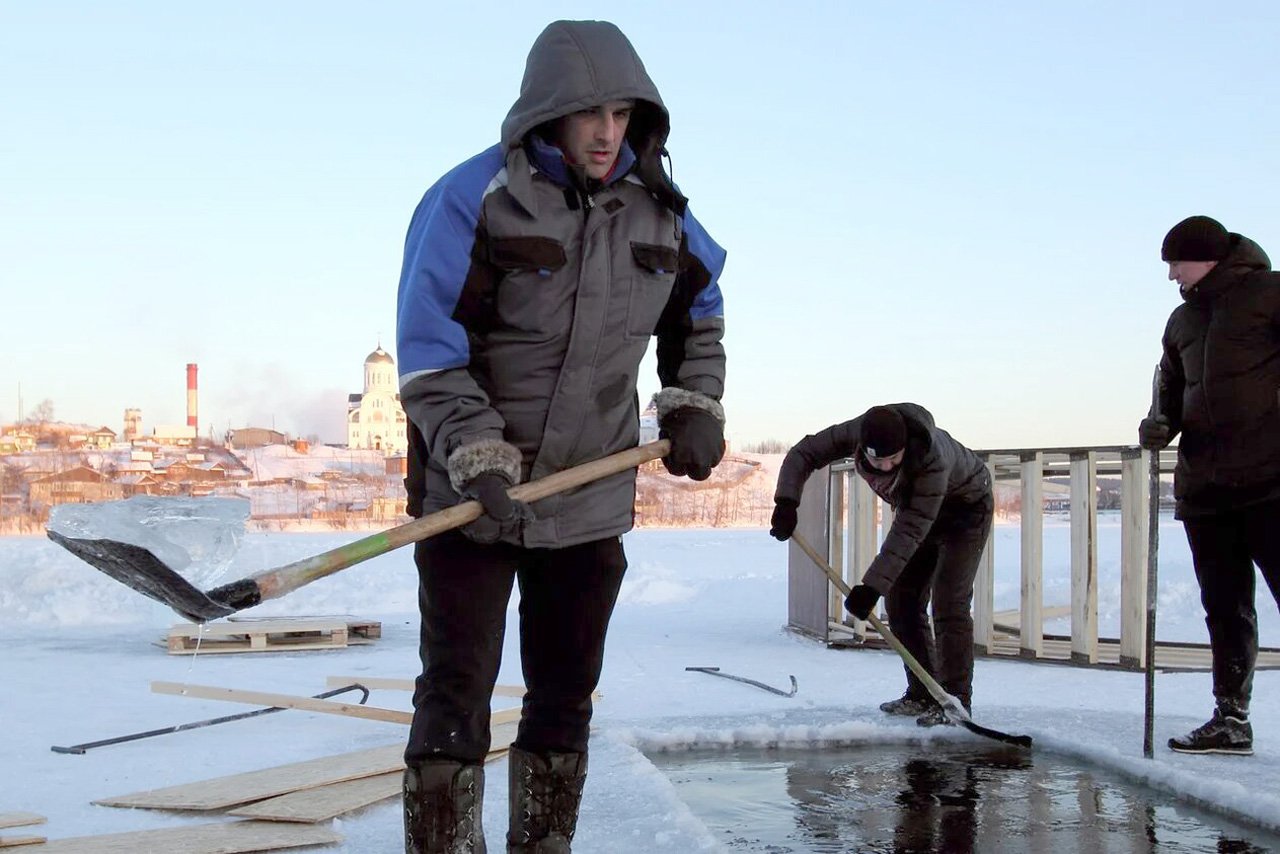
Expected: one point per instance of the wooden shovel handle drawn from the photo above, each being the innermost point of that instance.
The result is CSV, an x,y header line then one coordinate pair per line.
x,y
281,580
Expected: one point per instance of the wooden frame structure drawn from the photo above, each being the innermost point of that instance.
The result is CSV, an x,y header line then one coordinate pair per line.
x,y
839,511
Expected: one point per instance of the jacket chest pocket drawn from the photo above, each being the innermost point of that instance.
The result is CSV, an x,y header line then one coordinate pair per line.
x,y
533,293
653,276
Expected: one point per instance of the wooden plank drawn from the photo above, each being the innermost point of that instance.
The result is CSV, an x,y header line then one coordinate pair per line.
x,y
807,585
1135,529
236,789
220,838
835,538
356,626
311,704
1009,621
323,803
382,683
1031,625
15,841
20,819
1084,558
328,802
984,587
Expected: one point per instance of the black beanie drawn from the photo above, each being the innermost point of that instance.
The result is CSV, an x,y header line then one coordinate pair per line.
x,y
883,432
1196,238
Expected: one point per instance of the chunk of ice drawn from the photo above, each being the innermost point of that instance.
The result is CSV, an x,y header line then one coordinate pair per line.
x,y
195,537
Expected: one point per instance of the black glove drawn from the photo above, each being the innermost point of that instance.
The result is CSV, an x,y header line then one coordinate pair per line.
x,y
783,523
502,515
697,442
861,601
1154,432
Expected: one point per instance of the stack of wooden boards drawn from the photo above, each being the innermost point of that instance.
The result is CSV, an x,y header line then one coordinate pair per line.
x,y
19,819
281,807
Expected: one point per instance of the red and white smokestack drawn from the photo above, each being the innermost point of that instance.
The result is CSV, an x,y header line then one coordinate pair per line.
x,y
192,420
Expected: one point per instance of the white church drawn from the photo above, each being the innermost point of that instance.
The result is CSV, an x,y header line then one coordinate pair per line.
x,y
375,420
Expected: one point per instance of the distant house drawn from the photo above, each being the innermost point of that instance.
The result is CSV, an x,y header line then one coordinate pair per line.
x,y
17,442
175,435
255,437
137,484
102,438
76,485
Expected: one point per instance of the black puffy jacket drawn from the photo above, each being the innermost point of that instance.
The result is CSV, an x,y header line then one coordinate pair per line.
x,y
1220,385
942,484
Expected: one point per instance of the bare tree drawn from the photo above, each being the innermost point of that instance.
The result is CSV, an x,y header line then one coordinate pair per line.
x,y
768,446
43,413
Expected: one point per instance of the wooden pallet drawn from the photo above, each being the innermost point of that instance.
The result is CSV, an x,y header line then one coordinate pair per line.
x,y
272,635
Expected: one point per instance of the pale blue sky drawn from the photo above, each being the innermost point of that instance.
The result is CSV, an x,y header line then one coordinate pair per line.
x,y
956,204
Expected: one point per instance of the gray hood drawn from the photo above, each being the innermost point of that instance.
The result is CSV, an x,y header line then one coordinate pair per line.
x,y
575,65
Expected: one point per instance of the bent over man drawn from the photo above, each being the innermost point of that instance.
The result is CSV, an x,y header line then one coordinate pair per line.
x,y
941,495
534,276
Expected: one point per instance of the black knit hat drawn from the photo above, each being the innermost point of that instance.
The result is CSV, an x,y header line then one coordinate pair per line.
x,y
883,432
1196,238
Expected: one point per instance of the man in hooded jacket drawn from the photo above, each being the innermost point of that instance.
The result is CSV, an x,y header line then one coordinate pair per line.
x,y
534,276
1219,388
941,494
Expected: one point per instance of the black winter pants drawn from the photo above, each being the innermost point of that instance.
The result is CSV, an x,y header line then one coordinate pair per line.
x,y
1224,549
942,571
566,598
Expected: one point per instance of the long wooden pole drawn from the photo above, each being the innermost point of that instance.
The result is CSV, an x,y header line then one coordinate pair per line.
x,y
953,707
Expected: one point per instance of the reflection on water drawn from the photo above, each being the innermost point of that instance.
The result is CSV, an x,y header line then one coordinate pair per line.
x,y
899,799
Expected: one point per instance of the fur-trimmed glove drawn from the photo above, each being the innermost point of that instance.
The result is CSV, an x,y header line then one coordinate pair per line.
x,y
861,600
1154,432
697,442
503,516
783,523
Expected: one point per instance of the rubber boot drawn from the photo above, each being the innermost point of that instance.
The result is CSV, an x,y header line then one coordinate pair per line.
x,y
443,803
545,791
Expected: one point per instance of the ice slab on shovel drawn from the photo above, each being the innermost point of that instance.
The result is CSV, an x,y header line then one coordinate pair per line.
x,y
195,537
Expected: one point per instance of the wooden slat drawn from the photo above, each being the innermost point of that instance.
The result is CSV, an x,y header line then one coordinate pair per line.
x,y
1031,625
382,683
223,792
1084,558
284,701
1135,544
222,838
984,587
311,704
323,803
15,841
20,819
327,802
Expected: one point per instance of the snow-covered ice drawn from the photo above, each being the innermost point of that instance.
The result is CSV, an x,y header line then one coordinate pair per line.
x,y
80,651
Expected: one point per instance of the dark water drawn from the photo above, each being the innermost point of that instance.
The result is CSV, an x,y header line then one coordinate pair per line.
x,y
896,799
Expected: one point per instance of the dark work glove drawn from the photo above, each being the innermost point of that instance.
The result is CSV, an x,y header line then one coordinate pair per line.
x,y
1154,432
783,523
502,515
697,442
861,600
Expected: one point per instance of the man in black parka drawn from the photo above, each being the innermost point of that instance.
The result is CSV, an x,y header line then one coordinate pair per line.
x,y
1219,387
941,494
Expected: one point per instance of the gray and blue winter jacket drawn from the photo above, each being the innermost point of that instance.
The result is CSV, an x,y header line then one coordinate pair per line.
x,y
529,296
